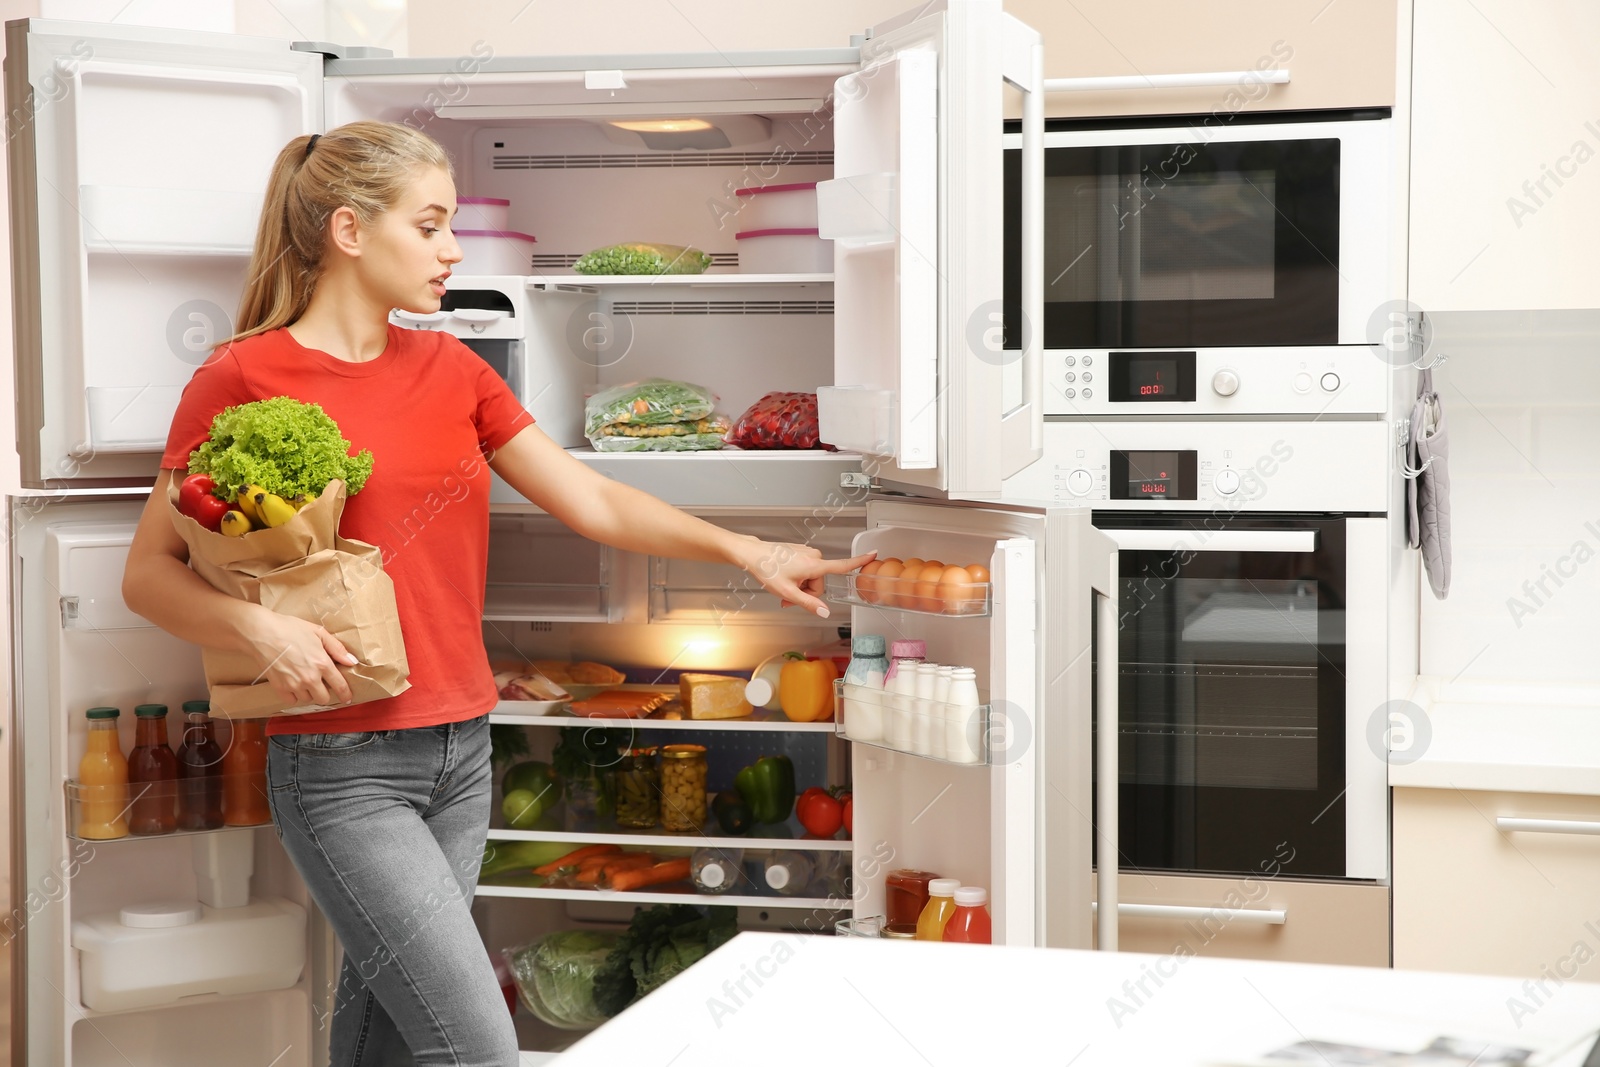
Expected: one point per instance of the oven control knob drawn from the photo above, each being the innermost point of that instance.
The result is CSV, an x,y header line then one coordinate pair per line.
x,y
1079,482
1330,382
1225,383
1227,481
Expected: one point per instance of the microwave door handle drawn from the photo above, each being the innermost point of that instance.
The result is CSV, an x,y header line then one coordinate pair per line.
x,y
1205,80
1145,540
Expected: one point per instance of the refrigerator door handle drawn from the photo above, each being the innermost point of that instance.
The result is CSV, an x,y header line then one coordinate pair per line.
x,y
1508,824
1106,782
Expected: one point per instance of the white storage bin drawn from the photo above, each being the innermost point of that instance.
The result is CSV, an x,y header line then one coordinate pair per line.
x,y
792,250
151,954
494,252
482,213
779,207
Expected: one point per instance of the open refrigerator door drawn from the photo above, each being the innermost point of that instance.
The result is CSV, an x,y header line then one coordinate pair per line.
x,y
922,381
996,795
136,185
185,948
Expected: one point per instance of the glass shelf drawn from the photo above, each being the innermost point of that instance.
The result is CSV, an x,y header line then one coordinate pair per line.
x,y
787,834
497,887
968,601
509,712
867,716
153,793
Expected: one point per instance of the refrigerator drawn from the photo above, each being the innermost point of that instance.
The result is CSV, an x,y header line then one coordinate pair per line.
x,y
137,172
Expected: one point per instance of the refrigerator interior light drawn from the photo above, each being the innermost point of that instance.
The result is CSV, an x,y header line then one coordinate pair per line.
x,y
663,125
673,133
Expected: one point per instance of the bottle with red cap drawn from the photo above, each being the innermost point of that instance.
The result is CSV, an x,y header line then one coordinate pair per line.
x,y
970,923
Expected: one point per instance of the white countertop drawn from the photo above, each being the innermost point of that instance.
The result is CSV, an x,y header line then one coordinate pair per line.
x,y
1507,736
824,1001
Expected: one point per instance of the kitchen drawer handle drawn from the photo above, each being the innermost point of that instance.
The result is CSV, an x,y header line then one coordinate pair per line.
x,y
1508,824
1214,540
1258,916
1167,81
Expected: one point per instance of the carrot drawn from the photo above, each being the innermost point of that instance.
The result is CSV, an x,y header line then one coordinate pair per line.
x,y
639,877
601,871
574,857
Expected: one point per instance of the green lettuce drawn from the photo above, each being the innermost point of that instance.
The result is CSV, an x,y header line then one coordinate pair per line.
x,y
555,976
283,445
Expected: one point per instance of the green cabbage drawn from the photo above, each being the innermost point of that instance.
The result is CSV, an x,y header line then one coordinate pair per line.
x,y
283,445
555,976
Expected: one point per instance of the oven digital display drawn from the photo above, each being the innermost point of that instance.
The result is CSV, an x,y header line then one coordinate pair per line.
x,y
1143,377
1163,475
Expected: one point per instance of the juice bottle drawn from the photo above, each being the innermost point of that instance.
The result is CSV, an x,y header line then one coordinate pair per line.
x,y
970,923
244,775
941,905
152,766
199,770
103,776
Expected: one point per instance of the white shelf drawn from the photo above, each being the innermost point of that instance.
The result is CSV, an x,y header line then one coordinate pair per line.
x,y
709,837
686,897
761,722
698,281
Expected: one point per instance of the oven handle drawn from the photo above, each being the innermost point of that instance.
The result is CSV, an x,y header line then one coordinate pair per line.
x,y
1258,916
1167,81
1508,824
1143,540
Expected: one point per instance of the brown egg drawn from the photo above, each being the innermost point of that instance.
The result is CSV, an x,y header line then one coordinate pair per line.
x,y
956,591
979,572
926,592
902,593
866,584
886,581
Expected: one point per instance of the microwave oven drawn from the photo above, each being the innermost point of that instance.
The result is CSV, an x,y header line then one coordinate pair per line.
x,y
1211,270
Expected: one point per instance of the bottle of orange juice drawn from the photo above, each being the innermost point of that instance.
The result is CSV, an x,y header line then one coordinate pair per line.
x,y
103,779
937,911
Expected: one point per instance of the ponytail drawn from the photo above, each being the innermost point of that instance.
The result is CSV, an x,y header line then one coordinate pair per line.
x,y
365,166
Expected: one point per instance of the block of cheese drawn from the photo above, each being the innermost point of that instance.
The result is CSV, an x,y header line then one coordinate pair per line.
x,y
712,696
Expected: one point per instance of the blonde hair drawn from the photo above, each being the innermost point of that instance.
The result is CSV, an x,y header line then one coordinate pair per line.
x,y
365,166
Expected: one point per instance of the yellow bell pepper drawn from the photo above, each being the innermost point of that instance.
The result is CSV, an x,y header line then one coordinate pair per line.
x,y
805,688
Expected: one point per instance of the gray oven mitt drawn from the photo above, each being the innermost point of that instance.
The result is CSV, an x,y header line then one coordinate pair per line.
x,y
1427,474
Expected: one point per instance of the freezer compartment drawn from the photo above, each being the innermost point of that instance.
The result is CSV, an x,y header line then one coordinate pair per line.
x,y
540,570
142,956
948,733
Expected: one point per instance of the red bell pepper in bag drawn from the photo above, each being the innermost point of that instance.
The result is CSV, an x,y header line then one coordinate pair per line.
x,y
778,420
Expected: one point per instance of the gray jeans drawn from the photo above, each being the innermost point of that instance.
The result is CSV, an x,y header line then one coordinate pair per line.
x,y
387,828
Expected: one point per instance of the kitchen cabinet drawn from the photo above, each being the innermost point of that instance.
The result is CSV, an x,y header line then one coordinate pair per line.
x,y
1505,196
1496,882
1266,917
1339,55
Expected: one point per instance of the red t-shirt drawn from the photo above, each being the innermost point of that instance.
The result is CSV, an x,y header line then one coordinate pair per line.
x,y
429,409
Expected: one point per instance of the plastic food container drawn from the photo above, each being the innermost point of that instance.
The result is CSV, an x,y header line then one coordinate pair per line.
x,y
483,213
779,207
151,954
494,252
789,250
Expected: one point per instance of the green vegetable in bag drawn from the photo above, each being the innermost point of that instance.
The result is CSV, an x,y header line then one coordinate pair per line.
x,y
637,258
652,402
555,976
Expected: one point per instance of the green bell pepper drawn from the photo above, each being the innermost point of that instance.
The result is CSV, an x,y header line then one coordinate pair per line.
x,y
767,787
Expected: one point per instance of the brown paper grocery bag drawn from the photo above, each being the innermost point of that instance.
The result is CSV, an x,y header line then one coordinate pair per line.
x,y
305,569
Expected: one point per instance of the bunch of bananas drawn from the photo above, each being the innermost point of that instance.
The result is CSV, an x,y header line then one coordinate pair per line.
x,y
258,509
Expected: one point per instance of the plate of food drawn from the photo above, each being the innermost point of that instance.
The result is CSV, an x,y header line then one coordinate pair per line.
x,y
620,703
528,692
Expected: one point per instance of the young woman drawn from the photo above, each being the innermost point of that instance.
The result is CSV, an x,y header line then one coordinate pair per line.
x,y
384,806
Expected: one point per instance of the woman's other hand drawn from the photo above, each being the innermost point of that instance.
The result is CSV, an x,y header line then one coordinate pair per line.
x,y
299,659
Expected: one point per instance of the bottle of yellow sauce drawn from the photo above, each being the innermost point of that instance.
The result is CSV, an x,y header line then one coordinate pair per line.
x,y
937,911
103,780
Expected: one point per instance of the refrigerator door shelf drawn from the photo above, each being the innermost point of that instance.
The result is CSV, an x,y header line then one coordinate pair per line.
x,y
968,600
874,717
82,799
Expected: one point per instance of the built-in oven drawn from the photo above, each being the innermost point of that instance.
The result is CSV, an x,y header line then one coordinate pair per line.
x,y
1251,652
1206,267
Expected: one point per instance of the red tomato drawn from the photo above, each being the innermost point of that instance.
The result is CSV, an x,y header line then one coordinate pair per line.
x,y
819,813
